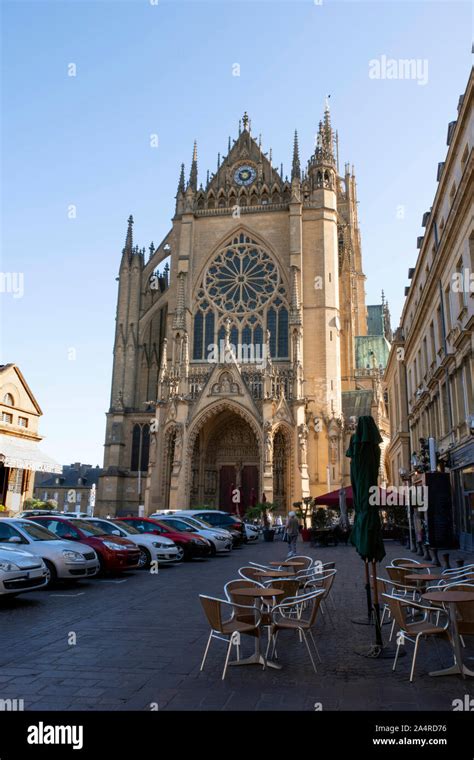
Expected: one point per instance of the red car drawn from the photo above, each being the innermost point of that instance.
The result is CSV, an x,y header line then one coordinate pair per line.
x,y
191,544
115,553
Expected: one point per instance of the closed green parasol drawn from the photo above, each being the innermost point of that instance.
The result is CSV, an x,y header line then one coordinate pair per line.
x,y
366,536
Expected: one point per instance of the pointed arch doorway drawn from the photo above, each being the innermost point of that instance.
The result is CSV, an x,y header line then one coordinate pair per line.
x,y
226,456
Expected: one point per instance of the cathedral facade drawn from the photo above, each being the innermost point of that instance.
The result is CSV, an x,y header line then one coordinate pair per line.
x,y
236,341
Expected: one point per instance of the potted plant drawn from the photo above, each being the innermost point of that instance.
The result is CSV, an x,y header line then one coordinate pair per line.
x,y
303,510
261,511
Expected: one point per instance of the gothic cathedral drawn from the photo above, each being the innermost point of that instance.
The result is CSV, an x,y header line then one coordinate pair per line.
x,y
239,356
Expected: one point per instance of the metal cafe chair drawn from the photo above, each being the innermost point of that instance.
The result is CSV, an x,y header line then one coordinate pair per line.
x,y
400,591
283,619
226,629
249,573
325,582
413,631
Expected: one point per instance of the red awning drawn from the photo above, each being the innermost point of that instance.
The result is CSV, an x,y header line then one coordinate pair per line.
x,y
331,499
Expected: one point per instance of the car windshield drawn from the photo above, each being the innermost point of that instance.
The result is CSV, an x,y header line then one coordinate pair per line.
x,y
126,527
199,523
36,532
89,529
177,525
108,527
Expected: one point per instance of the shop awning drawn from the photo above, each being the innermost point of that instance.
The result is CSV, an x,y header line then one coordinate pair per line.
x,y
331,499
23,454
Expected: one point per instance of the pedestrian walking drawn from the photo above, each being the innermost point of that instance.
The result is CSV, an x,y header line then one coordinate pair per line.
x,y
292,531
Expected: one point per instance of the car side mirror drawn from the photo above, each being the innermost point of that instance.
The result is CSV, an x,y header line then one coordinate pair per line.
x,y
116,533
14,540
69,536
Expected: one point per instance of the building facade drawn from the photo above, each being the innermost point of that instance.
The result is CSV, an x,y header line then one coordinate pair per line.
x,y
73,490
429,375
235,367
20,456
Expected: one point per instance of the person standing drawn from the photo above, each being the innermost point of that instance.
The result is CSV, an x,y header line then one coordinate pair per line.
x,y
292,531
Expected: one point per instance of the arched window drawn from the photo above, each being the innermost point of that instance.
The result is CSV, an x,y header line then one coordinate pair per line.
x,y
145,448
243,282
247,336
136,435
283,333
272,326
209,332
198,335
8,399
140,447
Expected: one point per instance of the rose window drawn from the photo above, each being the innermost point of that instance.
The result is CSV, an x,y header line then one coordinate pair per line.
x,y
242,284
242,278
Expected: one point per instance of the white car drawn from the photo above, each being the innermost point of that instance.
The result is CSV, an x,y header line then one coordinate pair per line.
x,y
220,539
65,560
152,548
251,531
20,572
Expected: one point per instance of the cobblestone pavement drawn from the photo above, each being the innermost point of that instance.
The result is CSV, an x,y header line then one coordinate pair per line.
x,y
140,640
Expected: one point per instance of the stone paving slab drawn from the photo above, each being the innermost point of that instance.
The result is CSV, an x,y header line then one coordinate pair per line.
x,y
141,642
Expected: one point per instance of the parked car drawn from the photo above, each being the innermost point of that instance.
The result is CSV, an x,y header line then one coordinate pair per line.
x,y
219,519
20,572
115,553
161,550
63,560
220,540
34,512
191,544
251,531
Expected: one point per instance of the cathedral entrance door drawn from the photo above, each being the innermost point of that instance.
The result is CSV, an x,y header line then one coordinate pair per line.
x,y
250,493
227,476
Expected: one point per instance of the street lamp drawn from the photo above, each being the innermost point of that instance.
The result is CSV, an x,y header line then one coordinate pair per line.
x,y
406,477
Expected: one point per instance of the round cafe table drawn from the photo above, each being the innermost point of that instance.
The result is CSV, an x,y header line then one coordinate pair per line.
x,y
451,599
288,563
257,593
275,574
424,577
416,565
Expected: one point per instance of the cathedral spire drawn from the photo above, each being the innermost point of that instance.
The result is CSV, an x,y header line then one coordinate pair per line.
x,y
127,252
295,167
181,183
193,174
129,237
245,121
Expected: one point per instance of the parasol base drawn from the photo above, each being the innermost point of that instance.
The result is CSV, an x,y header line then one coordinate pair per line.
x,y
376,652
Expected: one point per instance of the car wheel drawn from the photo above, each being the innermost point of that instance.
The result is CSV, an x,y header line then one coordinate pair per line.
x,y
145,557
213,549
51,574
180,554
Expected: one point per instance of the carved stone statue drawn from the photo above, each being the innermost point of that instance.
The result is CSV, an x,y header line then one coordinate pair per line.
x,y
267,428
178,445
303,431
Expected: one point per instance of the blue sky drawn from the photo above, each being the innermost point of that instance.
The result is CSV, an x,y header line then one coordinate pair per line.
x,y
167,69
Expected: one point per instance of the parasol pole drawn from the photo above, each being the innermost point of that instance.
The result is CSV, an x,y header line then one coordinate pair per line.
x,y
368,592
378,629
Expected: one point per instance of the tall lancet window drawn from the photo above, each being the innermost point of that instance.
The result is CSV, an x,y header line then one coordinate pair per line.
x,y
140,448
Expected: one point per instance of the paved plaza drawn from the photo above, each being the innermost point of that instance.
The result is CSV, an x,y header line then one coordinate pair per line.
x,y
140,639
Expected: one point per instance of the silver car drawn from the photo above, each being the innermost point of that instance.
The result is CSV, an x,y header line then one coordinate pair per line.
x,y
20,572
65,560
220,540
152,548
